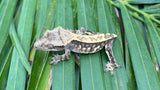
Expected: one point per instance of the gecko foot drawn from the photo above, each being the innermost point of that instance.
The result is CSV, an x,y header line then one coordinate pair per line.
x,y
55,59
110,67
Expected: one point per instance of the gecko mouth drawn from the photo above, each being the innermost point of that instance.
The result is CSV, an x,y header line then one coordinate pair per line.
x,y
55,48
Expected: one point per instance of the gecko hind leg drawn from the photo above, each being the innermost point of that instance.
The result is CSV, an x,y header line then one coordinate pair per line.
x,y
57,58
112,63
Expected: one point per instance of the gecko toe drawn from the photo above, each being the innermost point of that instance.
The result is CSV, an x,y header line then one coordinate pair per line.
x,y
110,67
51,62
112,73
54,62
51,57
106,70
119,66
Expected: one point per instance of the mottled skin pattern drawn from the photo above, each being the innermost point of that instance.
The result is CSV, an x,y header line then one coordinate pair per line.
x,y
78,41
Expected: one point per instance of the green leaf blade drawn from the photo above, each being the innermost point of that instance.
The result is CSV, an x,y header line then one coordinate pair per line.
x,y
6,14
143,1
154,37
63,73
24,33
5,58
143,66
108,25
4,54
91,65
40,73
19,49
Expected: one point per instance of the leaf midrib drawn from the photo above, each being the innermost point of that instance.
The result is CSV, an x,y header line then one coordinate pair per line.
x,y
64,27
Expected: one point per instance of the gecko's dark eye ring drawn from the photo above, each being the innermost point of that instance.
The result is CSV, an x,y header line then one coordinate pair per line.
x,y
50,46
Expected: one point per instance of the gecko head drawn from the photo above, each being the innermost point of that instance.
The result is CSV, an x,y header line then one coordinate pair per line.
x,y
51,41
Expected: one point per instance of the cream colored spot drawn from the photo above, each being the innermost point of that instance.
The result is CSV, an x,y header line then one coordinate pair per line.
x,y
102,44
83,49
84,39
97,48
107,36
89,48
94,45
79,47
100,37
91,39
94,50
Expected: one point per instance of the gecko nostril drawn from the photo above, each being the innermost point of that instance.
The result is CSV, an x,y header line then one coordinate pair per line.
x,y
35,44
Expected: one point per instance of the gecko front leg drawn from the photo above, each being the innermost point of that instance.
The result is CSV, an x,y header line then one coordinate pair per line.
x,y
112,63
57,58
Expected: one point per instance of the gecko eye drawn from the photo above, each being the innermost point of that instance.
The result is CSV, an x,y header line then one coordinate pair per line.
x,y
46,33
50,46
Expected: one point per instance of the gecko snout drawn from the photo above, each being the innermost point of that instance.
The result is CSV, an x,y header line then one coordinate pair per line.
x,y
36,45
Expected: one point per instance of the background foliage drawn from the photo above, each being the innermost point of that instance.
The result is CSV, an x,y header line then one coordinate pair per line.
x,y
136,49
